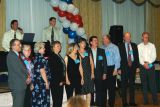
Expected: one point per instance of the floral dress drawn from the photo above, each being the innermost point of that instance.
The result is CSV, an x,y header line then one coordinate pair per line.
x,y
40,95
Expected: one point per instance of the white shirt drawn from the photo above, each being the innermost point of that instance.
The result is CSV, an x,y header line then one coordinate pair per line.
x,y
147,53
8,36
46,34
94,52
58,36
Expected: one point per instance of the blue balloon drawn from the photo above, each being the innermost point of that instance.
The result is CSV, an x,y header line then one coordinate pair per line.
x,y
72,34
68,1
66,30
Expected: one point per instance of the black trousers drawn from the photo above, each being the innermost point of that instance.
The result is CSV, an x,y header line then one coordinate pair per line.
x,y
128,79
28,96
110,86
57,95
100,93
148,79
71,88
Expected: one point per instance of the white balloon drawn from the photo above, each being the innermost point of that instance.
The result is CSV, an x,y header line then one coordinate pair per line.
x,y
76,11
80,31
70,41
62,19
84,36
71,8
54,3
63,6
74,26
66,24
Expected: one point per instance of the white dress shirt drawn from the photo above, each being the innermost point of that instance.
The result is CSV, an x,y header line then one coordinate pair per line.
x,y
94,52
8,36
47,34
147,53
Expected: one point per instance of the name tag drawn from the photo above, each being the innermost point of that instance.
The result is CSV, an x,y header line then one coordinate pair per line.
x,y
77,61
100,57
85,54
108,53
131,52
150,65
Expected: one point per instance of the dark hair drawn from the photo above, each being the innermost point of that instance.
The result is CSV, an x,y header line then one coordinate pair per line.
x,y
55,42
91,39
51,18
12,42
145,33
12,22
82,40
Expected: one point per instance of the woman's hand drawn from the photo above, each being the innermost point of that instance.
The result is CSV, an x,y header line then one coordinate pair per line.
x,y
68,82
47,85
31,87
92,76
82,81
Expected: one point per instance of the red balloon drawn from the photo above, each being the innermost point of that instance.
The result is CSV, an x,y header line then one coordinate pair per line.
x,y
62,13
56,9
80,24
69,16
77,18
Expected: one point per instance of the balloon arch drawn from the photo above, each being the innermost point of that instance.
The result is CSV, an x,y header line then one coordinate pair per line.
x,y
70,18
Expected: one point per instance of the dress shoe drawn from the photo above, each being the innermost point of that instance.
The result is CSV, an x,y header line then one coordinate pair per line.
x,y
155,103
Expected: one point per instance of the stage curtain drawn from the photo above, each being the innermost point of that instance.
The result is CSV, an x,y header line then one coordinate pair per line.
x,y
153,25
91,15
2,21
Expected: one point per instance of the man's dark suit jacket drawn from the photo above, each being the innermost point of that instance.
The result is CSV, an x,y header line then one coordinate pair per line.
x,y
101,63
17,72
124,59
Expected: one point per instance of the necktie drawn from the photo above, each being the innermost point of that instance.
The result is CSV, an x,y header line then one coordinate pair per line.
x,y
14,35
52,36
129,55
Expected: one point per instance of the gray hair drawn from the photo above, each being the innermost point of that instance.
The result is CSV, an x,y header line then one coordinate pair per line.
x,y
38,46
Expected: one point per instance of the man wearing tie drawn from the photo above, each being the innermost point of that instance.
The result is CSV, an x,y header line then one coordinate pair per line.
x,y
128,67
100,71
147,56
51,33
113,63
17,73
14,33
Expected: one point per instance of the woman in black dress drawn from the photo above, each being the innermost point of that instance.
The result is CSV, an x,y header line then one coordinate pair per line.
x,y
57,69
74,71
88,70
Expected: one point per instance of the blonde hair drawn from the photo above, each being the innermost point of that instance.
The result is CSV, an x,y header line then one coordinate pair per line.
x,y
77,101
38,46
71,48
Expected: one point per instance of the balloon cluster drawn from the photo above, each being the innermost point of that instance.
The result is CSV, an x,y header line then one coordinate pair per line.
x,y
70,18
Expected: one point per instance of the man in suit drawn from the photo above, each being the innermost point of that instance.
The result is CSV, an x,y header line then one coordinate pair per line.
x,y
17,73
100,70
129,64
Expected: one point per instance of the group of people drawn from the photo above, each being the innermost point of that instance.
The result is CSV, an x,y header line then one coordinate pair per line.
x,y
86,71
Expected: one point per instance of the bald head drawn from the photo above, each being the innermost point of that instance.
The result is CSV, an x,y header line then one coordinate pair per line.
x,y
127,37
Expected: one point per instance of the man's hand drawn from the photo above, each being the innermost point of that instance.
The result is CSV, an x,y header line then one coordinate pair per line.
x,y
104,77
28,81
119,72
146,66
115,72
